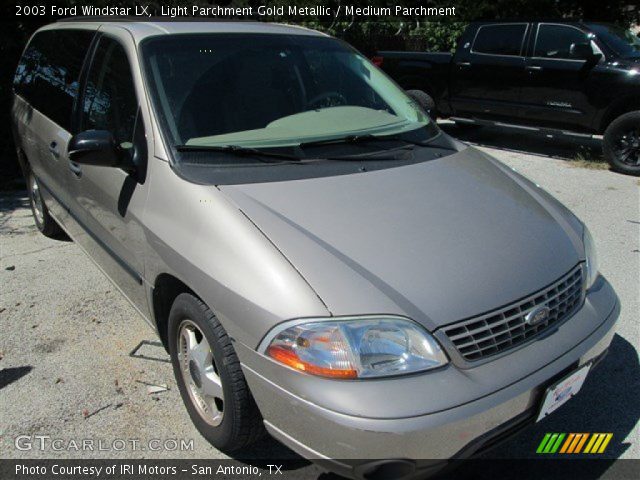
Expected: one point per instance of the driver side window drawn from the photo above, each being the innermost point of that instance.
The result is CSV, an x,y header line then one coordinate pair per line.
x,y
554,41
110,101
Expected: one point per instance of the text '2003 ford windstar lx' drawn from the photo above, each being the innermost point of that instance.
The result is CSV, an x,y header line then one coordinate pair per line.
x,y
316,255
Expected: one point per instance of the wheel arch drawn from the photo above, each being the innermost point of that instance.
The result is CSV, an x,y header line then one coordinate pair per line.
x,y
166,289
415,82
618,108
23,161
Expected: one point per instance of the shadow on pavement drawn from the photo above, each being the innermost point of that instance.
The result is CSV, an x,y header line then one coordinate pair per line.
x,y
607,403
13,374
266,450
13,200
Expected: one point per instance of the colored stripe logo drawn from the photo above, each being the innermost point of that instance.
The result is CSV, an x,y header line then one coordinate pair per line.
x,y
572,443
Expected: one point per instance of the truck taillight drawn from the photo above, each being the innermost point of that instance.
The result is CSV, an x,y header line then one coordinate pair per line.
x,y
377,61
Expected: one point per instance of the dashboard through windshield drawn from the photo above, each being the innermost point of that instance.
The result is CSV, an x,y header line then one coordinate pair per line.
x,y
265,91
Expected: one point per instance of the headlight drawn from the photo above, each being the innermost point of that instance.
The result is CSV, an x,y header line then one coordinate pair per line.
x,y
356,347
591,256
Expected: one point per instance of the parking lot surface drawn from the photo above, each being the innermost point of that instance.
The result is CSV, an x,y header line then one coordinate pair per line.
x,y
67,333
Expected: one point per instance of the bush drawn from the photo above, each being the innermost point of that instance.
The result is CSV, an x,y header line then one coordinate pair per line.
x,y
436,36
369,37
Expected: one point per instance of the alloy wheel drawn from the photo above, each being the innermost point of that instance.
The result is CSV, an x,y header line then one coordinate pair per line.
x,y
36,199
627,148
199,373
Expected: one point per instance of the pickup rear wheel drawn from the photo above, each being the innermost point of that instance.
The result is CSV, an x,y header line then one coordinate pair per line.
x,y
209,377
621,143
425,101
43,220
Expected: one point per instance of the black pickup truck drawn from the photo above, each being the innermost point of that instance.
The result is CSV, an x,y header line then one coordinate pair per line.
x,y
570,78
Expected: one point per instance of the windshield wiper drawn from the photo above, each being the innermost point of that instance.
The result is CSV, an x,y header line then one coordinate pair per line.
x,y
350,139
239,151
353,139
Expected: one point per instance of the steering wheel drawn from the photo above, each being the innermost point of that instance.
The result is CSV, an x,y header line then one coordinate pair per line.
x,y
327,99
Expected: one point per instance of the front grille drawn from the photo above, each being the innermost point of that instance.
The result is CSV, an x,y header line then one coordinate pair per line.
x,y
505,328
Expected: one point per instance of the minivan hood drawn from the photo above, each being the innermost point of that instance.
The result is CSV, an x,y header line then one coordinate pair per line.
x,y
437,241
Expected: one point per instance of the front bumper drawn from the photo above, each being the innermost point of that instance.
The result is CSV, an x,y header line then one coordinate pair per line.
x,y
348,434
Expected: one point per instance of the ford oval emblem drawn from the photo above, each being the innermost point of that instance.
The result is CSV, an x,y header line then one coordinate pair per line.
x,y
537,316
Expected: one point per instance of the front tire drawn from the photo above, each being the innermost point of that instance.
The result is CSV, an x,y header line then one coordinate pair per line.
x,y
621,143
209,377
41,216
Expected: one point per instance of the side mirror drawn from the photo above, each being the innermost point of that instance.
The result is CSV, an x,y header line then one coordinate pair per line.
x,y
95,147
583,51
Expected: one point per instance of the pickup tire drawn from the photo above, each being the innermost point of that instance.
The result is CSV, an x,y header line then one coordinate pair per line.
x,y
621,144
209,377
425,101
45,223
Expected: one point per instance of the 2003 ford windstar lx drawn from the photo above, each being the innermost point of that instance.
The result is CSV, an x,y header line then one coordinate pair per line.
x,y
319,259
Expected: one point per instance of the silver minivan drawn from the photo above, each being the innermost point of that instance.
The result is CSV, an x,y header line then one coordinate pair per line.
x,y
320,260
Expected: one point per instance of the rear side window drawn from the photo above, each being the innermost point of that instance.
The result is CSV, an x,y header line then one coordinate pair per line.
x,y
49,71
500,39
554,41
110,101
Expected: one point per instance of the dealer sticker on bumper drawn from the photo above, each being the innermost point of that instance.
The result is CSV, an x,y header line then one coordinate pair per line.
x,y
558,394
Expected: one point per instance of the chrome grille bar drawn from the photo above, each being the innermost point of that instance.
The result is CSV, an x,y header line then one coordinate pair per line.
x,y
505,328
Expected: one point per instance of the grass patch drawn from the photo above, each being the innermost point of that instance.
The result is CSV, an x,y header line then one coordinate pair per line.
x,y
589,158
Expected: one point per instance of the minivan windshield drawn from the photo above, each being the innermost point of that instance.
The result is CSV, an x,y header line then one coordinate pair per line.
x,y
623,42
268,91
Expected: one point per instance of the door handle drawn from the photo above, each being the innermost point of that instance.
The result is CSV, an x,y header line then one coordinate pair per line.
x,y
75,168
533,68
463,64
53,149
